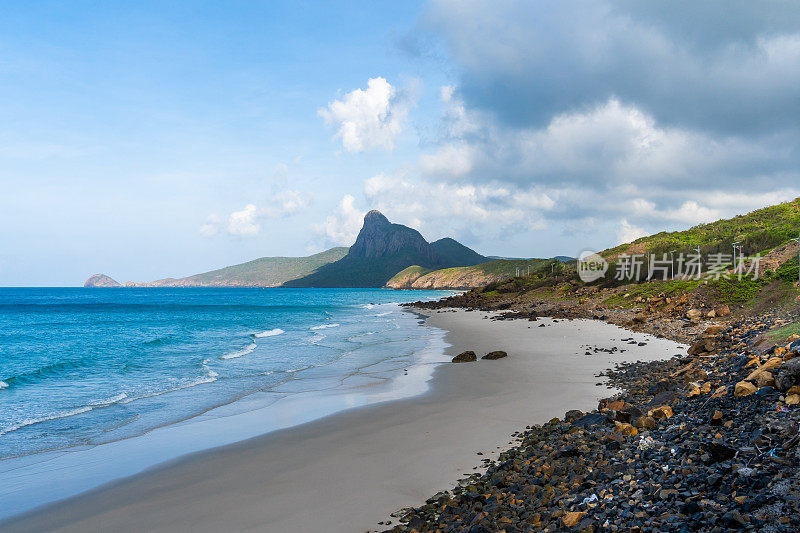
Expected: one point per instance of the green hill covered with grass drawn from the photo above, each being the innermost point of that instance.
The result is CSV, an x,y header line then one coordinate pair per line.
x,y
263,272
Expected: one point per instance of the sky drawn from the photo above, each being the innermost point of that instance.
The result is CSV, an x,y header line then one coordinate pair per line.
x,y
161,139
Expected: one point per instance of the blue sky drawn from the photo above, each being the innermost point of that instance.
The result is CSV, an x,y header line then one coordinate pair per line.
x,y
153,139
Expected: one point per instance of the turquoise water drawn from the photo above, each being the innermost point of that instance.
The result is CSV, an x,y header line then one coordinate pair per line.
x,y
89,366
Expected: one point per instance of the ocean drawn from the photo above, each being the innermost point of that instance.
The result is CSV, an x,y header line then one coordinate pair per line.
x,y
85,367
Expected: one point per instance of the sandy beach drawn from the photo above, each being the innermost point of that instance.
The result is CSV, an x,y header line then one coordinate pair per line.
x,y
348,471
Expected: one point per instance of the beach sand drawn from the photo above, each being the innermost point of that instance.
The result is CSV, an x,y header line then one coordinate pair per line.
x,y
348,471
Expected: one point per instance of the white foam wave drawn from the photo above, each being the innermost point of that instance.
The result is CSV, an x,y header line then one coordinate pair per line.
x,y
3,385
269,333
54,416
325,326
384,314
239,353
317,338
108,401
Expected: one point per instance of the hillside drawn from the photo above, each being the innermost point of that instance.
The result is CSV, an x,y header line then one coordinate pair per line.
x,y
383,249
263,272
676,302
416,277
758,231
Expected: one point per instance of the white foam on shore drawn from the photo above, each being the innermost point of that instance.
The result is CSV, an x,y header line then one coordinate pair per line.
x,y
3,385
239,353
325,326
269,333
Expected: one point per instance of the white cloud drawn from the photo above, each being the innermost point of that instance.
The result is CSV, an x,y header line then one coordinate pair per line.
x,y
440,208
247,221
368,119
343,226
628,233
211,227
244,222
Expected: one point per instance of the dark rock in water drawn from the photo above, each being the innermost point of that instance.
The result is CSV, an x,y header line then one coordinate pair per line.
x,y
573,415
497,354
465,357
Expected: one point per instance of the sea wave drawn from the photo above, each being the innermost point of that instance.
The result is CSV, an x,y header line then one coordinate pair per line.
x,y
3,385
44,372
109,401
239,353
31,421
325,326
269,333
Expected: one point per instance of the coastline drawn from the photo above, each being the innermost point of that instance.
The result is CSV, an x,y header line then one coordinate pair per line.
x,y
353,468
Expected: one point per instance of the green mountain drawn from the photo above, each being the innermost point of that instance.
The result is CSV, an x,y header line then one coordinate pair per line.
x,y
457,253
465,277
383,249
263,272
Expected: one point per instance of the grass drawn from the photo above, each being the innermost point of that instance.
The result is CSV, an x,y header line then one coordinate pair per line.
x,y
760,230
651,289
783,333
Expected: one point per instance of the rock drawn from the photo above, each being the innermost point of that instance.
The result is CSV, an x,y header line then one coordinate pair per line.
x,y
465,357
659,413
720,452
792,399
646,422
713,330
497,354
573,415
722,311
591,419
744,388
572,518
694,314
774,362
794,347
789,374
711,314
625,428
716,418
765,379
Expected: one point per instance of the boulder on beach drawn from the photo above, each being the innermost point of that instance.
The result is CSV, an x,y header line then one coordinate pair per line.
x,y
465,357
497,354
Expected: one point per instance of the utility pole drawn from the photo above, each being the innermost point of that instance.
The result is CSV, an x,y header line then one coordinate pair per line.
x,y
736,245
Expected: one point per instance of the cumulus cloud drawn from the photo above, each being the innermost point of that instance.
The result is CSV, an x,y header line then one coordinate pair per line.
x,y
715,66
247,221
371,118
343,225
609,157
474,212
628,233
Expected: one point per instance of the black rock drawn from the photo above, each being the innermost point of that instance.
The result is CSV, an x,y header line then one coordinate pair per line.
x,y
497,354
591,419
720,452
465,357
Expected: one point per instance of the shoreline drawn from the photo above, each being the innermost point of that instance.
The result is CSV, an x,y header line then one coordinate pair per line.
x,y
390,454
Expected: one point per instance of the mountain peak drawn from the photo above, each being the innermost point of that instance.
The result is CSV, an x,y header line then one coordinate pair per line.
x,y
375,217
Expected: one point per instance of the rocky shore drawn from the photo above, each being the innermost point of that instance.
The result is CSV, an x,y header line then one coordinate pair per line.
x,y
702,442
